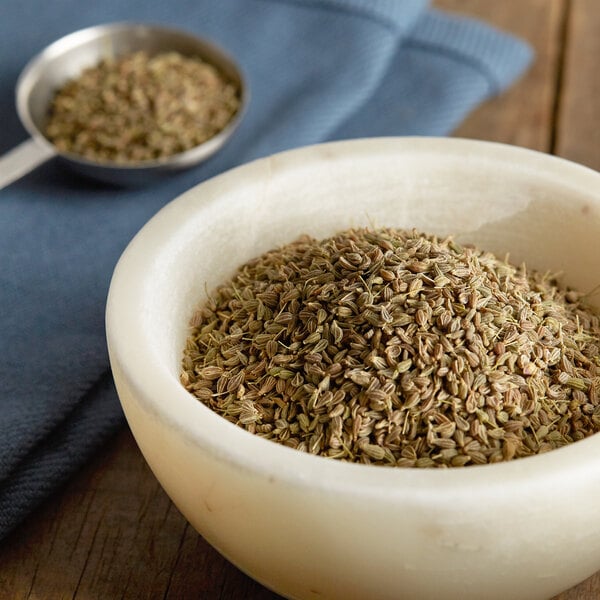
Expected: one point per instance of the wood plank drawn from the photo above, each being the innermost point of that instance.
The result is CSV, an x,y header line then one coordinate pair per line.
x,y
112,528
578,131
201,573
522,115
114,533
578,137
588,590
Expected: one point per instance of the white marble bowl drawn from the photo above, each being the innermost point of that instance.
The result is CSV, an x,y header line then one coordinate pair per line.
x,y
315,528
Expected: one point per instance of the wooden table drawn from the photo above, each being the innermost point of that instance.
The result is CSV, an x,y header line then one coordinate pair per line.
x,y
113,533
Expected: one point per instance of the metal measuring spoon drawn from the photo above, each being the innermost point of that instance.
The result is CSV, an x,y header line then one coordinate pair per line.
x,y
66,58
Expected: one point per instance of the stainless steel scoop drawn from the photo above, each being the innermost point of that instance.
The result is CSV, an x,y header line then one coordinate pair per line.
x,y
66,58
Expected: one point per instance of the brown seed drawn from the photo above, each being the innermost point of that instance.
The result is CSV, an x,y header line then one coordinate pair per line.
x,y
392,347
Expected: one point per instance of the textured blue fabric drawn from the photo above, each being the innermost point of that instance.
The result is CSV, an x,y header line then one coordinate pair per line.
x,y
318,70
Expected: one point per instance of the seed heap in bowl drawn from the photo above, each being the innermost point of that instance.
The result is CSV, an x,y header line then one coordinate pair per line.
x,y
397,348
140,107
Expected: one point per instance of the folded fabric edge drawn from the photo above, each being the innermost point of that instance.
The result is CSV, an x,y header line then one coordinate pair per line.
x,y
499,56
97,418
91,370
401,16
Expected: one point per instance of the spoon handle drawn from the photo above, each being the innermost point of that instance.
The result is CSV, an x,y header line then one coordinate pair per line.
x,y
22,159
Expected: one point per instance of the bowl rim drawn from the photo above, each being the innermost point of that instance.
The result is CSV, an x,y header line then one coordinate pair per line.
x,y
150,381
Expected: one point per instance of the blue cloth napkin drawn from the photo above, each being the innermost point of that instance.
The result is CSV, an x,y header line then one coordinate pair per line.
x,y
318,69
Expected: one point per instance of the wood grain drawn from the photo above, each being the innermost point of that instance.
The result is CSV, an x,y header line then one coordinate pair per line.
x,y
578,117
522,115
113,533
